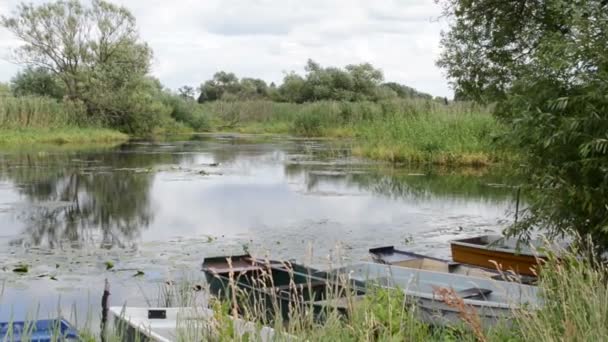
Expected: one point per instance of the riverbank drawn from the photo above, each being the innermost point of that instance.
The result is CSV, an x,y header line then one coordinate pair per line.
x,y
400,132
67,135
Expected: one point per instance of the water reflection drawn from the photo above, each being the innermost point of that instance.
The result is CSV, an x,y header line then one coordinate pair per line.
x,y
80,198
110,197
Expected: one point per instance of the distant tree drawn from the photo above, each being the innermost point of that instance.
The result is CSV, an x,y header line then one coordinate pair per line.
x,y
366,78
292,89
222,82
252,88
187,92
406,92
37,81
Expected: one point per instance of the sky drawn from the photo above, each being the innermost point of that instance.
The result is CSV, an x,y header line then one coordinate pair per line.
x,y
193,39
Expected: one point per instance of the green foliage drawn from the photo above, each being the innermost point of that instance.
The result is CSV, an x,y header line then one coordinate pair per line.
x,y
546,64
31,111
187,111
575,294
226,86
5,90
37,82
95,55
360,82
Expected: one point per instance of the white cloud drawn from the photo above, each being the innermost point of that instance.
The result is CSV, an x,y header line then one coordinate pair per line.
x,y
263,38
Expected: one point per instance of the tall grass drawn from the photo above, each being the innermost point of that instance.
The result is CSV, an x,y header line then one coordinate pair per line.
x,y
39,112
398,131
30,119
575,293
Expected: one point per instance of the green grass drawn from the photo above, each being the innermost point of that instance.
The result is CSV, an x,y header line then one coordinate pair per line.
x,y
399,131
73,135
438,138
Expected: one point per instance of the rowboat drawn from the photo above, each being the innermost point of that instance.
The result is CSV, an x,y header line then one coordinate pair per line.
x,y
179,324
492,251
494,301
270,285
391,256
45,330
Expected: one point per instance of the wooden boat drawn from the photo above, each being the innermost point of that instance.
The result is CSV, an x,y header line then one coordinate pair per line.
x,y
493,301
45,330
173,324
489,250
269,284
391,256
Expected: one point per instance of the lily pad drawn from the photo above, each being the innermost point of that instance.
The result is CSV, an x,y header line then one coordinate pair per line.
x,y
109,265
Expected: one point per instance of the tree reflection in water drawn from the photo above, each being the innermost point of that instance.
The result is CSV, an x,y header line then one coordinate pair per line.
x,y
99,197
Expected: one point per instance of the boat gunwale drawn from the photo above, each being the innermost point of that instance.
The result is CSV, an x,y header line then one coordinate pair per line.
x,y
431,296
490,248
378,251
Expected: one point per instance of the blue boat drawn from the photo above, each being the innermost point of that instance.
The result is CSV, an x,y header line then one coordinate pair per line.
x,y
45,330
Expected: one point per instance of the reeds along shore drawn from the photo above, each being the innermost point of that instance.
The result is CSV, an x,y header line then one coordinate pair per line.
x,y
413,131
398,131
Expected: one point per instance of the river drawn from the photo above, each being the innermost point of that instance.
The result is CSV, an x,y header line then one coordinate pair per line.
x,y
146,214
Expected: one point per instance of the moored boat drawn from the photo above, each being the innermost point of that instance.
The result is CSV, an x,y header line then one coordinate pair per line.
x,y
391,256
45,330
270,285
492,251
494,301
180,324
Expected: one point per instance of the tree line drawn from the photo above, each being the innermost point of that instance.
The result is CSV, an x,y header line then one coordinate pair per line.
x,y
361,82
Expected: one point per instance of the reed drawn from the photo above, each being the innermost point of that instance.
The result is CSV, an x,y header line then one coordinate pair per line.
x,y
399,131
39,112
575,293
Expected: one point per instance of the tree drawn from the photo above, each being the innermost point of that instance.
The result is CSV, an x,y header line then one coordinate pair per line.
x,y
545,64
222,82
38,82
186,92
94,52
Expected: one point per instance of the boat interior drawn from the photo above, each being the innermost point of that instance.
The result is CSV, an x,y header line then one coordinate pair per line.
x,y
282,279
430,282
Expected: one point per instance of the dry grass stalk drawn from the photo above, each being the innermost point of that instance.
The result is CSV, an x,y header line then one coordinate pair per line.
x,y
467,312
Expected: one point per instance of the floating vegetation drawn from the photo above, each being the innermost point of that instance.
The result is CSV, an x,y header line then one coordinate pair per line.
x,y
109,265
21,268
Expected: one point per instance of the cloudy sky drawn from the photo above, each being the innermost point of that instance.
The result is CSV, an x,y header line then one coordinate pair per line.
x,y
192,39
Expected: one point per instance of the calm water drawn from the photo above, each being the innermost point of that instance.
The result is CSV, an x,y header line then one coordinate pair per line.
x,y
160,208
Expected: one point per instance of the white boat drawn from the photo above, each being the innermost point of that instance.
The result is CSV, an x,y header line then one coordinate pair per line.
x,y
179,324
492,300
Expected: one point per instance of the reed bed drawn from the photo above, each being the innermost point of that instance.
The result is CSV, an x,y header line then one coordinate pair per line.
x,y
399,131
38,120
39,112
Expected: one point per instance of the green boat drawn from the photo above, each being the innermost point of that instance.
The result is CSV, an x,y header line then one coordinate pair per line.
x,y
270,287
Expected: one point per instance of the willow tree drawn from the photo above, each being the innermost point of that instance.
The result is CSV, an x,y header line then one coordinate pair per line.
x,y
545,64
95,51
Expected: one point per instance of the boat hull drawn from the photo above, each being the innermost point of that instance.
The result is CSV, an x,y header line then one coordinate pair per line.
x,y
487,258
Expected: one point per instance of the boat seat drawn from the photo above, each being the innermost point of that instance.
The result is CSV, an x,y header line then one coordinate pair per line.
x,y
473,292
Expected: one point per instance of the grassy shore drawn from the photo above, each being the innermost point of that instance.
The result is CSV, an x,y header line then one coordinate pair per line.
x,y
75,135
401,131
